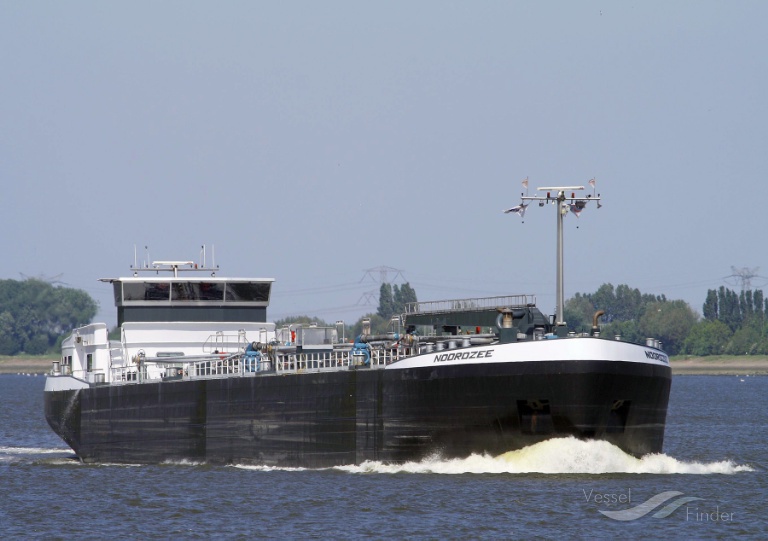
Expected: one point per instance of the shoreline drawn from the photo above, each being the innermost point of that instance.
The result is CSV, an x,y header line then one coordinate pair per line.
x,y
26,365
720,366
693,366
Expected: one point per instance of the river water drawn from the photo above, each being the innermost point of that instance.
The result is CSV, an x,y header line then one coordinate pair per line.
x,y
710,483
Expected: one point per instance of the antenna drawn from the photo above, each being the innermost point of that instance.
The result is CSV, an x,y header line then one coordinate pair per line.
x,y
564,203
175,266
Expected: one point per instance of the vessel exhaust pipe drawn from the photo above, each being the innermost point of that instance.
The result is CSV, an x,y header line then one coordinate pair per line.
x,y
595,326
505,319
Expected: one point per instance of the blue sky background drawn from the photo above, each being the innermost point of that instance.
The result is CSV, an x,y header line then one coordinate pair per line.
x,y
309,141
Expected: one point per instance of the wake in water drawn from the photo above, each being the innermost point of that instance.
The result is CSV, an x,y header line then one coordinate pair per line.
x,y
30,451
255,467
555,456
558,456
13,455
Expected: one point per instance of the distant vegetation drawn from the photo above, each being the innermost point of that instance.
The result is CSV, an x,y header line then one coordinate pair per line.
x,y
632,315
35,316
392,300
733,324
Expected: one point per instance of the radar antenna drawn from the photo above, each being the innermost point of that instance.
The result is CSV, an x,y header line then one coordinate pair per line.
x,y
564,204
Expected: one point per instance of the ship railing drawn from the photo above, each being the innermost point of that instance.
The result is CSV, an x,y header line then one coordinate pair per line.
x,y
337,360
464,305
384,356
97,375
239,365
125,374
226,366
176,368
225,342
312,362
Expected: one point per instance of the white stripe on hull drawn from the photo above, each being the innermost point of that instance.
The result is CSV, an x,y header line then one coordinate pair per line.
x,y
561,349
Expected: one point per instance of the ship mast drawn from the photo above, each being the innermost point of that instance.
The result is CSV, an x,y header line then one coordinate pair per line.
x,y
564,204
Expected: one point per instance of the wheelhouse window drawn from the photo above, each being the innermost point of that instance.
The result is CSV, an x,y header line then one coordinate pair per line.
x,y
182,291
248,291
146,291
197,291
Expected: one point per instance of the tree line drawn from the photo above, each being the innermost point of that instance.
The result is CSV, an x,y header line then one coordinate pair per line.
x,y
733,323
35,315
392,301
632,315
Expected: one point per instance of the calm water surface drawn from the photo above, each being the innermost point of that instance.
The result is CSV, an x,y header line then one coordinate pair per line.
x,y
714,451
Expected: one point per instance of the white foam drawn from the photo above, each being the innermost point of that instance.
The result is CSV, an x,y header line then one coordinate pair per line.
x,y
183,462
31,451
555,456
268,468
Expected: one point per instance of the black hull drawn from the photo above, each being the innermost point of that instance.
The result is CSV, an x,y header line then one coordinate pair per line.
x,y
347,417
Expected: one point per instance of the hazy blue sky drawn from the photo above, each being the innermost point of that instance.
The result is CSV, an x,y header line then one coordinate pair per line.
x,y
308,141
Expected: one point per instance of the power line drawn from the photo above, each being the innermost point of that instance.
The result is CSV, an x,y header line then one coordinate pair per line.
x,y
367,297
743,276
53,280
383,272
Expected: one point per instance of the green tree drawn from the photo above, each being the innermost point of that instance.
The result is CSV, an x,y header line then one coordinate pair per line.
x,y
710,306
605,299
578,312
729,309
39,313
300,320
386,301
707,337
745,305
622,303
749,339
629,303
759,303
9,343
669,321
403,295
628,330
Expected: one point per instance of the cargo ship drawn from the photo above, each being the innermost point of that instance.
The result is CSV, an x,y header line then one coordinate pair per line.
x,y
199,374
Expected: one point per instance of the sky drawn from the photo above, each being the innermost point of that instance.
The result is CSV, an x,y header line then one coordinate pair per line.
x,y
312,141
